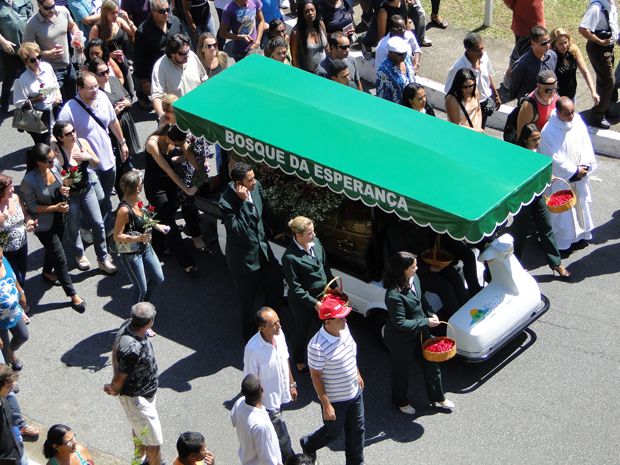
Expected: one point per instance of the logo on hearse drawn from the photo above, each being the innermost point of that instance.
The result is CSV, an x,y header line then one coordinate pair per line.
x,y
491,308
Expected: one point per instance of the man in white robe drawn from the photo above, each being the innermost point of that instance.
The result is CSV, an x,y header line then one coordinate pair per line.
x,y
565,138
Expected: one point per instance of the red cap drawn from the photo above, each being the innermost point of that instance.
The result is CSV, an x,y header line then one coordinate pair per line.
x,y
332,309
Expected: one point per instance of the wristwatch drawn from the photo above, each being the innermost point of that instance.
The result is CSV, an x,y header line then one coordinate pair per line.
x,y
293,385
124,141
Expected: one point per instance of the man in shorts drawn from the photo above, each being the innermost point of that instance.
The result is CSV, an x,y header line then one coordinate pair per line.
x,y
135,378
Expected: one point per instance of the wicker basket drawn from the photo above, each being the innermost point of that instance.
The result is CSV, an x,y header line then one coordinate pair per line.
x,y
442,356
436,256
565,206
335,292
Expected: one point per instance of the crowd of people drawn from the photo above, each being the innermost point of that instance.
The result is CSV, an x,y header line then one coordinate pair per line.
x,y
78,68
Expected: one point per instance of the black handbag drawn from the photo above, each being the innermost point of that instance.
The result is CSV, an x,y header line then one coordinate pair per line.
x,y
30,120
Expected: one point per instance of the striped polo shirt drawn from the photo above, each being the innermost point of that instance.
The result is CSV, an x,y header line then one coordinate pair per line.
x,y
336,357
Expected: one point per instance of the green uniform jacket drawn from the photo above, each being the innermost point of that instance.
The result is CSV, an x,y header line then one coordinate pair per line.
x,y
245,234
409,313
305,276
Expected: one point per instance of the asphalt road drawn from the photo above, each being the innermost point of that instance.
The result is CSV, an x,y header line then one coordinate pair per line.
x,y
547,397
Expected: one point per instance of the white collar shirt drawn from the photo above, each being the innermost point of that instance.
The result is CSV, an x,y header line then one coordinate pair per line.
x,y
270,364
310,246
483,75
258,441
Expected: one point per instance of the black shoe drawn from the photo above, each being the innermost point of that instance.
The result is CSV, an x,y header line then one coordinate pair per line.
x,y
308,456
611,114
602,124
50,281
80,308
16,364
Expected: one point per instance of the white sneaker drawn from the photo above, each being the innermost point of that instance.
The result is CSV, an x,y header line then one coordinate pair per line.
x,y
87,236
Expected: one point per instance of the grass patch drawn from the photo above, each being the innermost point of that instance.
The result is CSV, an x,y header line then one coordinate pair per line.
x,y
469,14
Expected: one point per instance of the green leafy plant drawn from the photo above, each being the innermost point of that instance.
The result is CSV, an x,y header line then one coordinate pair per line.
x,y
138,446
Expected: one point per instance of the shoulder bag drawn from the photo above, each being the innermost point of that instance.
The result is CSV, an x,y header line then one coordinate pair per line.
x,y
30,120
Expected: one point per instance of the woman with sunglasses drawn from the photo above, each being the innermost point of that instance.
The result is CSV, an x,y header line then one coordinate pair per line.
x,y
37,87
463,102
214,60
61,448
161,184
120,99
97,49
142,266
45,199
72,152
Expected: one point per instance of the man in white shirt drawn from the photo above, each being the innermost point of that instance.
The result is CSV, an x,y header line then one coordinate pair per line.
x,y
398,28
258,441
178,72
478,61
332,358
266,356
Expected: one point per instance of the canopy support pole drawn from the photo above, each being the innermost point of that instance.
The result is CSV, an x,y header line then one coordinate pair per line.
x,y
488,13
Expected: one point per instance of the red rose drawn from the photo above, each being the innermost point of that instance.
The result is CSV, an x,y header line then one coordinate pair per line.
x,y
63,172
73,169
151,208
140,204
191,139
41,86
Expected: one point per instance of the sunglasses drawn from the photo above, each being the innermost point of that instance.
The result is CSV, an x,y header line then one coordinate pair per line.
x,y
343,47
48,162
211,45
164,12
399,29
549,91
69,133
468,87
545,42
103,73
48,8
34,59
183,53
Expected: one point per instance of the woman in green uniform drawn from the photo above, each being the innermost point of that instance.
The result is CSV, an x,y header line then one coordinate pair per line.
x,y
307,273
409,314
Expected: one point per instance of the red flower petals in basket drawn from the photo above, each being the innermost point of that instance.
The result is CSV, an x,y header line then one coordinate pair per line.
x,y
441,346
560,198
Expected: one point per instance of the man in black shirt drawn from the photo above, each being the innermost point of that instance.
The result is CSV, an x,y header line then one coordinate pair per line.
x,y
150,42
135,378
11,448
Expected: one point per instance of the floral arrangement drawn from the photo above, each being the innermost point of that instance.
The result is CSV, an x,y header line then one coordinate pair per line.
x,y
289,196
200,177
77,42
72,175
148,215
47,91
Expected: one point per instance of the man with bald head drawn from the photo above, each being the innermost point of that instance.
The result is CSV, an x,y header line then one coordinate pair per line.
x,y
566,140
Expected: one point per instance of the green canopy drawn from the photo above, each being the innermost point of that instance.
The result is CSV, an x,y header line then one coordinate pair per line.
x,y
419,167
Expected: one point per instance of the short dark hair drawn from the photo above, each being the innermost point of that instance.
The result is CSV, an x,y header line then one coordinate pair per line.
x,y
7,375
537,32
250,388
526,133
97,42
142,314
393,18
336,67
260,319
277,42
239,171
175,42
562,102
274,23
58,129
189,443
471,40
409,93
333,40
81,77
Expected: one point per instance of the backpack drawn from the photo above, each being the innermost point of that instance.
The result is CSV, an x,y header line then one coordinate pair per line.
x,y
510,130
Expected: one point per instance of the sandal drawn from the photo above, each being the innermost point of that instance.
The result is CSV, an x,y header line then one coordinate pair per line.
x,y
439,22
30,430
82,263
191,269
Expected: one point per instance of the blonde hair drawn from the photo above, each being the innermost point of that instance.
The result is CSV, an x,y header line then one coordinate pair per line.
x,y
26,49
561,32
130,182
299,224
105,28
167,100
222,57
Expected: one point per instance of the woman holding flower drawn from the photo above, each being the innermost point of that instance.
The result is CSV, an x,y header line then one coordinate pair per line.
x,y
75,156
44,196
37,87
142,266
